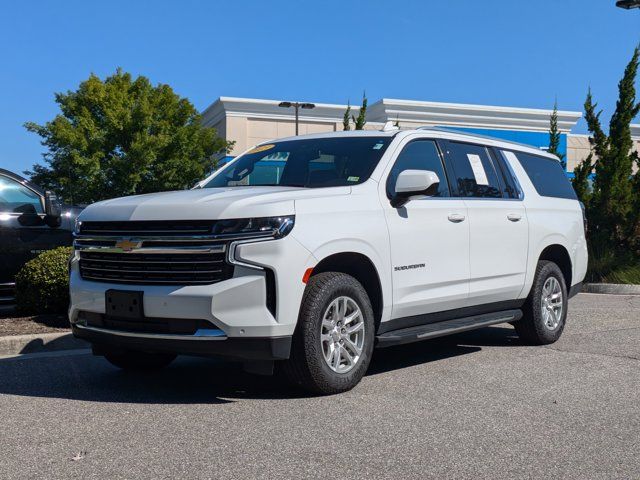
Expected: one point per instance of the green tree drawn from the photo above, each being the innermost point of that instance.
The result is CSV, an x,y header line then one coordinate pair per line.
x,y
361,120
554,136
346,119
612,202
580,179
123,136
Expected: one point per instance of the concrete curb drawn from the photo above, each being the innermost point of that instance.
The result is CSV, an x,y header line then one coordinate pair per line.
x,y
611,288
38,343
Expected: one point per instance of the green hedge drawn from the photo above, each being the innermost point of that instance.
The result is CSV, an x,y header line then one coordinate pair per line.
x,y
42,285
605,266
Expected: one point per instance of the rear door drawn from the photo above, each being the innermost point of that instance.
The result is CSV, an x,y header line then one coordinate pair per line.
x,y
429,238
499,233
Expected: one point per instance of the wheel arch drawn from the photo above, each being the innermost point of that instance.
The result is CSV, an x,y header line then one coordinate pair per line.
x,y
559,255
363,269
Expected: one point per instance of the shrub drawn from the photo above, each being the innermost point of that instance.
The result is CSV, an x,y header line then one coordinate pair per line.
x,y
42,285
607,266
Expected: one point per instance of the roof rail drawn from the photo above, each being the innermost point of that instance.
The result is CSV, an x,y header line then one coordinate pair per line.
x,y
477,135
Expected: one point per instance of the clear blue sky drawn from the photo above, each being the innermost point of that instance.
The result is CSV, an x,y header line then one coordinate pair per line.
x,y
497,52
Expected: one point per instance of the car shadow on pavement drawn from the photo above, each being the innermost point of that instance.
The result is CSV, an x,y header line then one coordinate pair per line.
x,y
205,381
404,356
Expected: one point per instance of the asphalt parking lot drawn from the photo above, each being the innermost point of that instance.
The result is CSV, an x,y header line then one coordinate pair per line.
x,y
477,405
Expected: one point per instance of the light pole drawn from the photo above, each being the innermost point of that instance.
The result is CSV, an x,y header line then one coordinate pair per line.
x,y
297,106
628,4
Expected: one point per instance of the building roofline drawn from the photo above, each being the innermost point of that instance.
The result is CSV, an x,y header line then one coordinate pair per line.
x,y
473,106
406,111
264,108
471,115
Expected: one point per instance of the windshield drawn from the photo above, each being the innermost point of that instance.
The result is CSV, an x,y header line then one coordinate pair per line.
x,y
312,163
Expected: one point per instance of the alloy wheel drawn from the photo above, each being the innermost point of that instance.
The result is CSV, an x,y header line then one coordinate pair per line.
x,y
551,303
342,334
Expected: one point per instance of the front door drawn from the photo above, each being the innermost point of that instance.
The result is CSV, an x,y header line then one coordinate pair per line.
x,y
429,239
23,231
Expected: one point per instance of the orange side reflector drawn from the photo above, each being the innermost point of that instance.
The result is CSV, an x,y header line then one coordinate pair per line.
x,y
307,275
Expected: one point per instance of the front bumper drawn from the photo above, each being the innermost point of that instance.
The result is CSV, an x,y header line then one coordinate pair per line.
x,y
237,307
252,349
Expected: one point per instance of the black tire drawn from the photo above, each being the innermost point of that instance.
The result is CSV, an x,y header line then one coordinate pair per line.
x,y
532,328
306,366
139,361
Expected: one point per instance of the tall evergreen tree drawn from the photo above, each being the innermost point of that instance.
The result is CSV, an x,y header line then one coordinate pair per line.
x,y
346,119
554,136
580,179
612,203
361,120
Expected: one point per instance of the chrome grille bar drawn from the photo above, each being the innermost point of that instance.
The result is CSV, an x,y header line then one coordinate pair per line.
x,y
120,270
154,255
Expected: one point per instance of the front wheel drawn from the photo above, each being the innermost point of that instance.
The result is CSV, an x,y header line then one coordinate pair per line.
x,y
139,361
333,343
545,312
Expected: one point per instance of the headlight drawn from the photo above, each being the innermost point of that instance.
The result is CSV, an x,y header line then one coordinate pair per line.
x,y
76,227
276,227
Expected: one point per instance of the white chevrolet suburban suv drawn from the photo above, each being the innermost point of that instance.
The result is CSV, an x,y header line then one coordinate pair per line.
x,y
306,253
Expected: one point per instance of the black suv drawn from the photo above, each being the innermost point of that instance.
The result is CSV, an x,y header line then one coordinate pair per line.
x,y
31,221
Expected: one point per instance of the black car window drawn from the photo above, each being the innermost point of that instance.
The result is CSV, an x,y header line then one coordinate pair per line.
x,y
475,174
547,176
16,198
419,155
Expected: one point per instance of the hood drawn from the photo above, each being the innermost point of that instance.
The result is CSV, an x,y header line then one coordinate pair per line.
x,y
206,204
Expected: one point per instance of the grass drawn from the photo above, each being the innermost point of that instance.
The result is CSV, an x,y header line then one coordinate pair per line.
x,y
607,267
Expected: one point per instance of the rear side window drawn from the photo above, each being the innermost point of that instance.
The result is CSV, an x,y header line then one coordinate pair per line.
x,y
511,186
547,176
419,155
475,173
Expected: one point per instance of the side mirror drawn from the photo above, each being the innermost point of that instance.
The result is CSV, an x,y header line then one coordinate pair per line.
x,y
411,183
52,209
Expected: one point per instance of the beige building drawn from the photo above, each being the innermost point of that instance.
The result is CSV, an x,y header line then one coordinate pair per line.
x,y
248,121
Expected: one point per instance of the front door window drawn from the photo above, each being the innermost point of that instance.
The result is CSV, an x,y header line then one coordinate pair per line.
x,y
16,198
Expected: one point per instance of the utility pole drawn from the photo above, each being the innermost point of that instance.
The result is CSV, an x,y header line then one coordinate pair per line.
x,y
297,106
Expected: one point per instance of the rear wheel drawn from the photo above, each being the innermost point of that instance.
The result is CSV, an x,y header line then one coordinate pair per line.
x,y
545,311
333,343
139,361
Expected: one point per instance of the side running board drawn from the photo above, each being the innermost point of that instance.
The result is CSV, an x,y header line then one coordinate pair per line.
x,y
447,327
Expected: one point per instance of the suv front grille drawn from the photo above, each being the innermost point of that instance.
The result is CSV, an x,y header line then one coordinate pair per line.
x,y
153,252
154,268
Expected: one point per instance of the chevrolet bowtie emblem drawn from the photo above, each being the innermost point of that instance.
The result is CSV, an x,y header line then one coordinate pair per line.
x,y
127,245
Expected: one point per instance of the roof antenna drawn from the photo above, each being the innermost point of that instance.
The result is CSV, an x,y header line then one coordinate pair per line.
x,y
389,127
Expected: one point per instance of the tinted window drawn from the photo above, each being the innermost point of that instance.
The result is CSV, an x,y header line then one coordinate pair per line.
x,y
547,176
511,187
475,174
16,198
419,155
312,163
